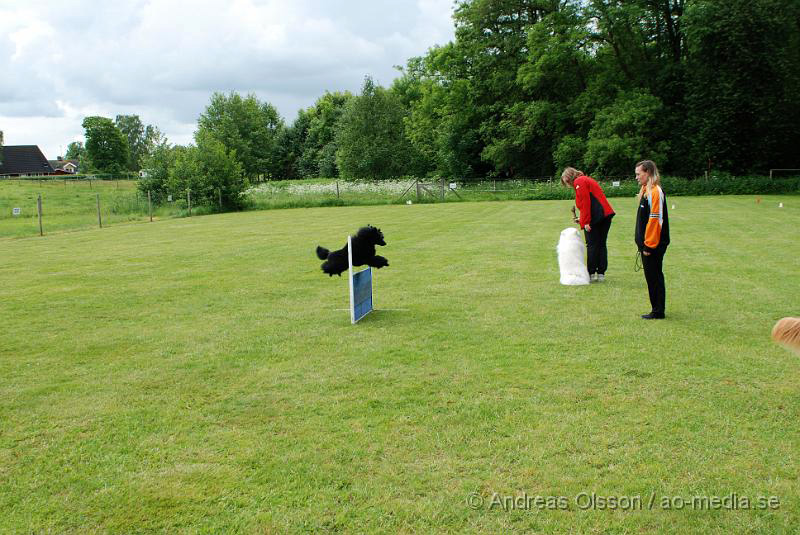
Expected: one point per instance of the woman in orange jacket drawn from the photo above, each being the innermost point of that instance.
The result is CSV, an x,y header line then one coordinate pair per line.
x,y
652,235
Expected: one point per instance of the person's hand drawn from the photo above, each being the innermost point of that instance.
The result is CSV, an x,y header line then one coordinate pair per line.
x,y
645,253
587,228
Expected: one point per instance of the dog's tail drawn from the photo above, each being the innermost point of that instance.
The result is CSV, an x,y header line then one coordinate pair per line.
x,y
322,253
787,333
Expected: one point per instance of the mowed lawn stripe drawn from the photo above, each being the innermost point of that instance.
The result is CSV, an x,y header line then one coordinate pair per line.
x,y
198,374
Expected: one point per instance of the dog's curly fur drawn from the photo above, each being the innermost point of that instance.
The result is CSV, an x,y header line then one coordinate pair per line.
x,y
364,243
787,333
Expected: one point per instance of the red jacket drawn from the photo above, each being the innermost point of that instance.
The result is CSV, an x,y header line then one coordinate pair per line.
x,y
591,201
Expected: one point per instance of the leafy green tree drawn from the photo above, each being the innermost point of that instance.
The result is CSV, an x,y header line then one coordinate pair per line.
x,y
468,117
141,139
318,157
744,71
208,169
327,160
155,171
290,143
133,130
492,35
106,147
408,88
76,151
641,45
520,86
423,126
558,75
371,139
626,132
443,125
570,152
221,172
531,85
184,174
153,137
250,128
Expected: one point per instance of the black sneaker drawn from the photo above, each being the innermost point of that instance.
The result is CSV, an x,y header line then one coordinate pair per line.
x,y
653,316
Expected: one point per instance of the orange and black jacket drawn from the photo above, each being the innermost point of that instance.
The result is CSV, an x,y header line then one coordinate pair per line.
x,y
652,221
591,201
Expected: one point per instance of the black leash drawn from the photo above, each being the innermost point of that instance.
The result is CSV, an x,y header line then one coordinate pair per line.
x,y
637,262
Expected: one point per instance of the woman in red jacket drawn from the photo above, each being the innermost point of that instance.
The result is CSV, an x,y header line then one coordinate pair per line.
x,y
595,219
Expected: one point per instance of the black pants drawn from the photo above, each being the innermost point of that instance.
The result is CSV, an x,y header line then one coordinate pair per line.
x,y
654,275
596,250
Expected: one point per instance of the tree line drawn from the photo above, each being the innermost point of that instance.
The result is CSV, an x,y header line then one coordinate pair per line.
x,y
525,88
114,147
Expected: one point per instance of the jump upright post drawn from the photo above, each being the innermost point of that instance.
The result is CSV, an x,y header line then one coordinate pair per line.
x,y
360,287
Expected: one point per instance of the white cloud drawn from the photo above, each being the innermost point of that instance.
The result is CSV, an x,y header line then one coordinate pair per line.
x,y
162,59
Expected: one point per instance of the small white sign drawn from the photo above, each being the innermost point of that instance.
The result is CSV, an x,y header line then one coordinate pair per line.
x,y
615,184
16,211
453,185
169,198
780,205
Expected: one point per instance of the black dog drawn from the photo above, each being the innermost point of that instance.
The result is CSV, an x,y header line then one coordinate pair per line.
x,y
364,243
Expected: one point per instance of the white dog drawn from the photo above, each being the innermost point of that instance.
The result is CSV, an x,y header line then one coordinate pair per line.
x,y
572,258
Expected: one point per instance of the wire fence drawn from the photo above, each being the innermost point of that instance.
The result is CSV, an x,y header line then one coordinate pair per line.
x,y
31,206
38,206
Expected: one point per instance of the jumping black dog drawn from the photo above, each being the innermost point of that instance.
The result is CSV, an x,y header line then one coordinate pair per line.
x,y
364,243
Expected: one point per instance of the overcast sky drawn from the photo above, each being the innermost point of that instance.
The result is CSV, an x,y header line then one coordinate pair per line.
x,y
61,60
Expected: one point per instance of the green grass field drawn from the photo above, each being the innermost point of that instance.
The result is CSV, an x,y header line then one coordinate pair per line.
x,y
201,375
70,204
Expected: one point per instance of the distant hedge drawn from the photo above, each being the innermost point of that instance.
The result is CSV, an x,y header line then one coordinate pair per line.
x,y
714,185
733,185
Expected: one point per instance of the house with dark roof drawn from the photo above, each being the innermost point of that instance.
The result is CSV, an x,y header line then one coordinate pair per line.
x,y
64,167
23,160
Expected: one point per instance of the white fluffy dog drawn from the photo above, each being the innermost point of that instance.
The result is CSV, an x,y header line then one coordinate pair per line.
x,y
572,258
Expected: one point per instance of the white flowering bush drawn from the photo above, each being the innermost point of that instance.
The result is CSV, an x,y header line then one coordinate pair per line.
x,y
390,187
